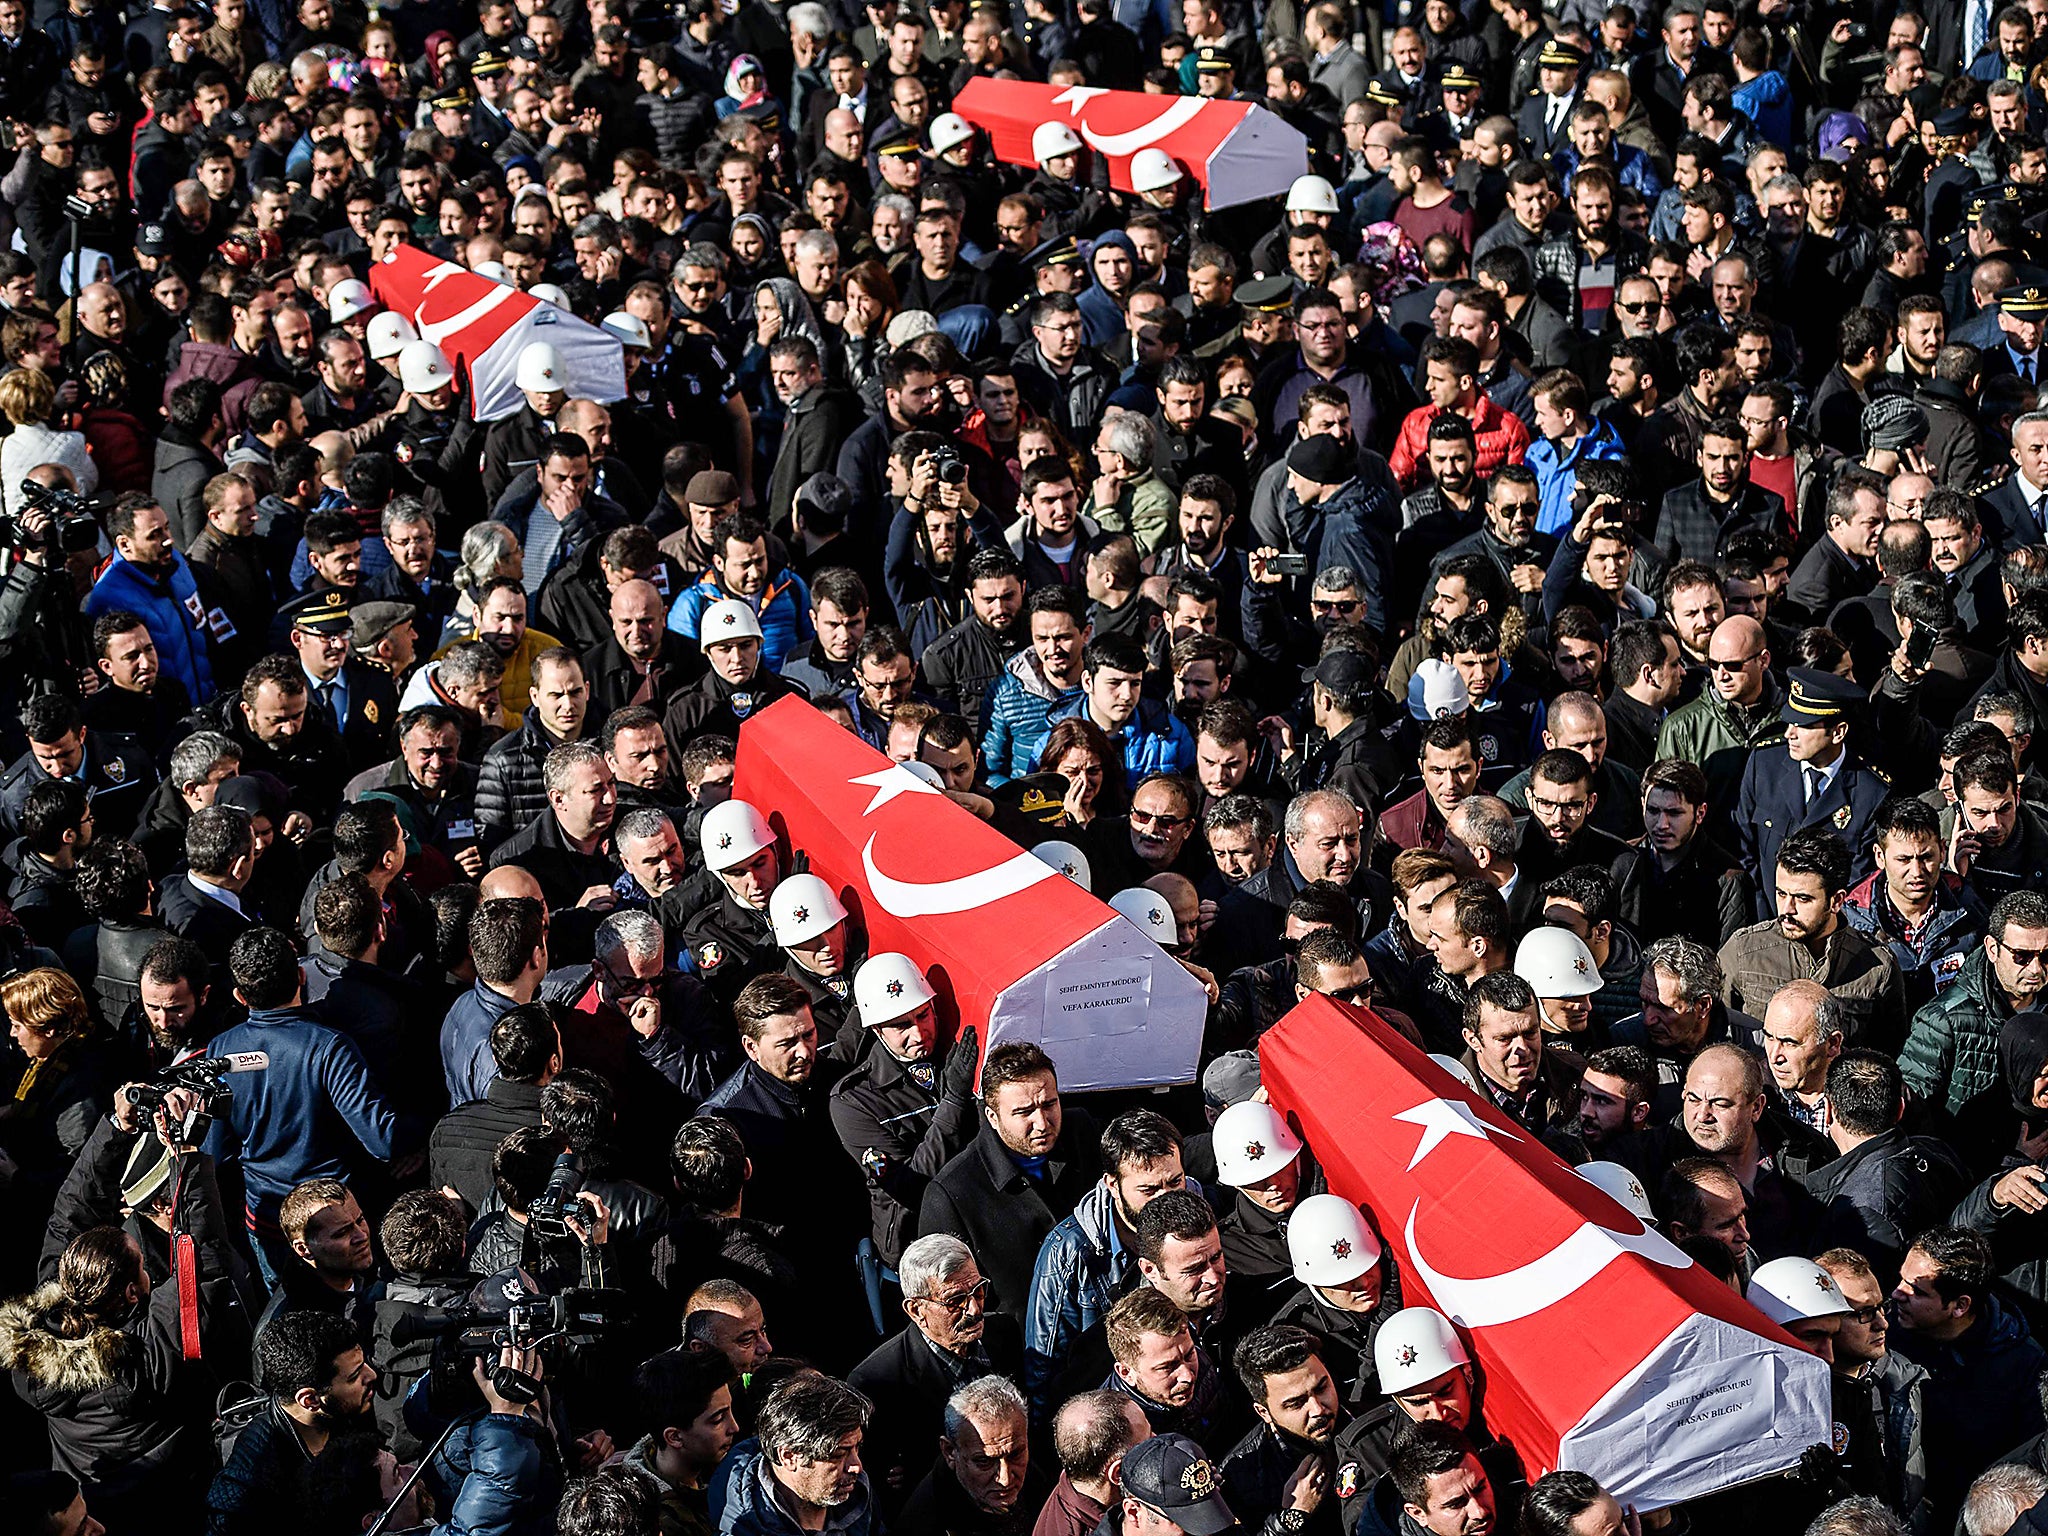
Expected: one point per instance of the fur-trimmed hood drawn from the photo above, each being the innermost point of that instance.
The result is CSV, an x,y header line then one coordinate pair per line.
x,y
53,1363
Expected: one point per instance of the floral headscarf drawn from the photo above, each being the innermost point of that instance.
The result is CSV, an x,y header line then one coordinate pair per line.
x,y
1392,259
743,65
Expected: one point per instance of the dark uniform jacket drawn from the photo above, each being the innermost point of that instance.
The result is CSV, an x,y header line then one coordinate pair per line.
x,y
988,1201
730,944
1347,1336
713,707
900,1129
1771,805
115,770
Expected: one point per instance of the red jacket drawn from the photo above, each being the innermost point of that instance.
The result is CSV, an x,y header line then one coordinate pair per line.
x,y
1499,433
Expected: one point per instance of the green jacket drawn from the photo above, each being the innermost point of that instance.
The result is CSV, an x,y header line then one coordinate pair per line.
x,y
1719,737
1951,1052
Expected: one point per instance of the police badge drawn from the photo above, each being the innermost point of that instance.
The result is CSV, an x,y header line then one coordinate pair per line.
x,y
710,956
116,770
370,710
1841,819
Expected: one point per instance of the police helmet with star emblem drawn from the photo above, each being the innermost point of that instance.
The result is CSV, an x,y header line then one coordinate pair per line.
x,y
1414,1346
802,908
1152,912
1252,1144
731,833
1329,1243
890,986
1556,963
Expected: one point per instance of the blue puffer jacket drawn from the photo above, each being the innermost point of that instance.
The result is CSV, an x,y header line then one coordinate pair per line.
x,y
171,608
1081,1270
497,1476
1154,742
750,1510
1019,714
784,609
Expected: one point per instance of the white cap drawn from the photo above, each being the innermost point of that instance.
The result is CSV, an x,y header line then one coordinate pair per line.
x,y
908,325
1556,963
1793,1290
1310,194
889,987
732,832
803,907
494,270
630,329
1456,1068
1051,140
1625,1187
1152,912
1067,859
728,620
1153,170
348,297
918,768
1415,1345
422,367
1252,1143
541,370
949,130
389,334
1436,690
1329,1242
550,293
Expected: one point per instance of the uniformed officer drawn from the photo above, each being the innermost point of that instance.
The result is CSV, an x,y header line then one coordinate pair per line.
x,y
1458,113
1345,1291
1268,306
358,695
909,1106
1810,780
731,941
821,948
488,127
1051,266
114,767
1953,178
454,118
2022,314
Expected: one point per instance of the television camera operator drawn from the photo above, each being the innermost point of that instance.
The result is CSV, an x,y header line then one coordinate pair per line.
x,y
45,643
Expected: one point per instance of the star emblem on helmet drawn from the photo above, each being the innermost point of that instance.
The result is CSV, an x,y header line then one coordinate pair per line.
x,y
1824,1283
1255,1150
1407,1354
802,914
1341,1248
894,989
1579,965
1070,869
724,840
1154,916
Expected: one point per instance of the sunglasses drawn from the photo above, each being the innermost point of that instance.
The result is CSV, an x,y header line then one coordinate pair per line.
x,y
2022,957
1355,994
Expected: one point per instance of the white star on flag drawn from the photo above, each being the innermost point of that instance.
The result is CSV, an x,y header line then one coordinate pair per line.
x,y
890,782
1441,1119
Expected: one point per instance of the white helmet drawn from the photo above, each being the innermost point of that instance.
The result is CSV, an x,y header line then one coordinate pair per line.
x,y
728,620
541,369
803,907
889,987
422,367
1556,963
1792,1290
630,329
1624,1186
494,270
389,334
1329,1242
949,130
1415,1345
550,293
1066,858
350,296
1152,912
732,832
1311,194
1051,140
1456,1068
1252,1143
1153,170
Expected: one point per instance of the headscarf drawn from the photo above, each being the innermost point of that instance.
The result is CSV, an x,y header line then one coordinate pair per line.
x,y
1390,255
745,64
2022,1051
798,318
750,275
435,73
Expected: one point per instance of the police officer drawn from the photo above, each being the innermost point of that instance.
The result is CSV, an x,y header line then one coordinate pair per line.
x,y
437,440
1267,326
1346,1291
1051,266
114,768
820,951
355,695
2026,307
909,1106
1426,1373
1811,779
736,684
1171,1479
731,941
488,126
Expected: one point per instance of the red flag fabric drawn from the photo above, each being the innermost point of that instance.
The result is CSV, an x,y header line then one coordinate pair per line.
x,y
482,326
1011,945
1605,1349
1238,151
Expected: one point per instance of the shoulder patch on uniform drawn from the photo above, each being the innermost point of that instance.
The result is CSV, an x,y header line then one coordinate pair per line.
x,y
710,955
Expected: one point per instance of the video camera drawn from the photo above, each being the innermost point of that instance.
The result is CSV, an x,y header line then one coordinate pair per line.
x,y
201,1075
73,527
576,1315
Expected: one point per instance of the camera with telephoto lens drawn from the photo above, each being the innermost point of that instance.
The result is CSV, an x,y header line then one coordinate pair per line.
x,y
548,1212
73,529
950,467
541,1323
200,1075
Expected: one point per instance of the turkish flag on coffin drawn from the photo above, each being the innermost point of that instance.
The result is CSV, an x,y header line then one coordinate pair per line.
x,y
1605,1349
1011,945
481,326
1238,151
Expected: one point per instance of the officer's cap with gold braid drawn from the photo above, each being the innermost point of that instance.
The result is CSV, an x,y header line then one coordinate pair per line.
x,y
1818,698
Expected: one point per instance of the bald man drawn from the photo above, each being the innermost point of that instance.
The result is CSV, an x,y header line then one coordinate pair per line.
x,y
641,661
1803,1033
1734,714
1726,1116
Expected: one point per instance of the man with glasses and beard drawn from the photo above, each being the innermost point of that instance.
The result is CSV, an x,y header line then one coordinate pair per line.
x,y
1509,538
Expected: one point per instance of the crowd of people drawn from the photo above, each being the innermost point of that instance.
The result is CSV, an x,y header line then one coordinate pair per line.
x,y
1568,571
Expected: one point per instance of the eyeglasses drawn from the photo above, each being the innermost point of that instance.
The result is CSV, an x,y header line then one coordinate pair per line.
x,y
974,1296
2022,957
1160,819
1361,993
636,986
1641,306
1736,665
1866,1316
1334,604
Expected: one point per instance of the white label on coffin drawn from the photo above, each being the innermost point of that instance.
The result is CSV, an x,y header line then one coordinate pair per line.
x,y
1096,997
1162,1047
